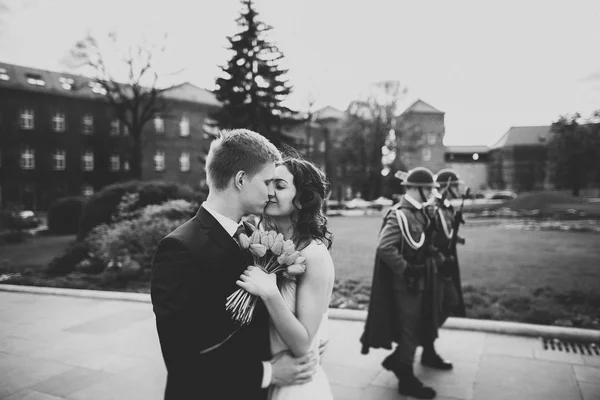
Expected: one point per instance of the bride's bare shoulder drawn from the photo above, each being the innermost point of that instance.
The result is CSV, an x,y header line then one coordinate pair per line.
x,y
316,253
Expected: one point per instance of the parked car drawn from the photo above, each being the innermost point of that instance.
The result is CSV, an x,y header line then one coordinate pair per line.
x,y
357,203
382,202
17,220
502,195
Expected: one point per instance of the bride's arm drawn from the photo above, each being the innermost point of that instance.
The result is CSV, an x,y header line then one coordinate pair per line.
x,y
312,294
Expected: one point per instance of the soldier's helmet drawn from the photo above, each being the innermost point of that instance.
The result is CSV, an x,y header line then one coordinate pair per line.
x,y
418,177
447,177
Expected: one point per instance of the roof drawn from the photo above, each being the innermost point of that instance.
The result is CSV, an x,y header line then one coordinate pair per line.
x,y
71,85
192,93
467,149
420,107
523,136
328,112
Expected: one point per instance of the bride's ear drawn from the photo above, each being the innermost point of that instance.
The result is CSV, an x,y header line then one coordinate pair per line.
x,y
238,180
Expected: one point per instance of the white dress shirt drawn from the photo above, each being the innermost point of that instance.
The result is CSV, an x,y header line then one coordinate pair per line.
x,y
231,227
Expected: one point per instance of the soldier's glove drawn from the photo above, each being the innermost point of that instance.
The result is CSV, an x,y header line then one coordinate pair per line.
x,y
447,268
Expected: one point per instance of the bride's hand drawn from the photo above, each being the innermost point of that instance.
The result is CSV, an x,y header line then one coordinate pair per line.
x,y
259,283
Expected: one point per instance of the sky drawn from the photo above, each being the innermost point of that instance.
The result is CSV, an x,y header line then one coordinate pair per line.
x,y
488,65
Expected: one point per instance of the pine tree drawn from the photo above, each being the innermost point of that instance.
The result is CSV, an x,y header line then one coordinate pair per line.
x,y
254,85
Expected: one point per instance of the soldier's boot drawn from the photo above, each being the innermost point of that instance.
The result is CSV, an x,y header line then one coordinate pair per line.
x,y
410,385
430,358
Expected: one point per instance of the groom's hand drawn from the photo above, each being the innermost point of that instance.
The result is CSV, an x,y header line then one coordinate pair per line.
x,y
289,370
322,347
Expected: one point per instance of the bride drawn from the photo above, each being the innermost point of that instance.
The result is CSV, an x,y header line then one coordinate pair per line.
x,y
298,308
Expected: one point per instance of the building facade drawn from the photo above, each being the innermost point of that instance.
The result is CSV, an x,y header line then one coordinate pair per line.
x,y
471,164
60,137
518,161
420,134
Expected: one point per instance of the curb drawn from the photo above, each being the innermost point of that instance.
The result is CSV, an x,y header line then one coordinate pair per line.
x,y
464,324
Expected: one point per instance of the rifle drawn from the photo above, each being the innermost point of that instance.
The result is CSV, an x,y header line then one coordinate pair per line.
x,y
458,220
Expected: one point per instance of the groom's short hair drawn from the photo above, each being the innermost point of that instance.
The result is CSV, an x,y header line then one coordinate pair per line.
x,y
237,150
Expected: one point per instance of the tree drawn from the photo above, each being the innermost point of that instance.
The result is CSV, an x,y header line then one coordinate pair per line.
x,y
368,144
134,99
574,152
253,86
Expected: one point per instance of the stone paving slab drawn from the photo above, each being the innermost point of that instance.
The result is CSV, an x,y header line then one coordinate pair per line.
x,y
66,348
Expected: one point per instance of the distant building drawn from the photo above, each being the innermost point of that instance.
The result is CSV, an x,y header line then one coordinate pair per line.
x,y
518,160
420,134
470,163
59,136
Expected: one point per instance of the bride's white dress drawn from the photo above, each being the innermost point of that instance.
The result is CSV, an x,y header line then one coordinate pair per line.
x,y
318,387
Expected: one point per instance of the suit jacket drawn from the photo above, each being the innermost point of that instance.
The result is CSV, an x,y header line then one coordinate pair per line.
x,y
194,270
382,326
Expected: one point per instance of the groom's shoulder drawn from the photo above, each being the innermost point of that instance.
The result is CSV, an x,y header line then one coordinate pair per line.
x,y
186,232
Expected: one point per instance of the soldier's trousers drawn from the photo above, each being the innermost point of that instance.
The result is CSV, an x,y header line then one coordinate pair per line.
x,y
408,310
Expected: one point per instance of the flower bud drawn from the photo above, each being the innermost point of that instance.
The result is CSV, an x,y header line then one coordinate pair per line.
x,y
292,257
244,241
277,247
255,238
282,258
288,247
300,260
296,269
258,250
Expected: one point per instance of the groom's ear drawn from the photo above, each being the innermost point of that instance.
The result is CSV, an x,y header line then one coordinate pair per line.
x,y
238,180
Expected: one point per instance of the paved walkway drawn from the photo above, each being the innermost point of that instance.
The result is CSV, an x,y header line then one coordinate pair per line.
x,y
54,347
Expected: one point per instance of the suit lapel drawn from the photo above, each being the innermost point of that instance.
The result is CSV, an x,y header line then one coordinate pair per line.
x,y
220,237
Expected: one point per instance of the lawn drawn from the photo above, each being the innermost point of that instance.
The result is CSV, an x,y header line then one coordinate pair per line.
x,y
36,251
533,276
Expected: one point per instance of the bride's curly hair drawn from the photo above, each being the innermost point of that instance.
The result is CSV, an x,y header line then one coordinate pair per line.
x,y
312,188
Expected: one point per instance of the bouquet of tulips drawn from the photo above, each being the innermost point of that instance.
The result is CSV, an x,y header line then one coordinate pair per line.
x,y
274,255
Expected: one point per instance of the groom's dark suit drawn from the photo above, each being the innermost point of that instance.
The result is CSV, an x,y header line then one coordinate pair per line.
x,y
194,270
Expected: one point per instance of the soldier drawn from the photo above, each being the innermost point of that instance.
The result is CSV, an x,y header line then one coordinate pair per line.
x,y
396,306
443,293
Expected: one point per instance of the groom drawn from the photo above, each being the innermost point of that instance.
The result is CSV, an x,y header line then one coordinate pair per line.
x,y
195,268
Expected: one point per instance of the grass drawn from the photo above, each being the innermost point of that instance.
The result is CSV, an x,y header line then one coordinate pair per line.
x,y
35,251
547,277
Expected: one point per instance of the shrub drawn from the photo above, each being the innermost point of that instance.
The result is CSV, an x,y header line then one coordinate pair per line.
x,y
102,207
64,215
138,237
71,257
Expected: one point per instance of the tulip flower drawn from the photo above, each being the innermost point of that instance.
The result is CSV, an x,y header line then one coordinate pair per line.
x,y
258,250
288,246
296,269
277,247
292,257
244,241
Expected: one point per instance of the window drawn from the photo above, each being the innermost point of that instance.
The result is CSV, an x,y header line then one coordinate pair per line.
x,y
97,88
322,146
184,126
59,160
4,75
87,124
87,190
431,138
87,161
184,162
426,153
126,165
159,124
27,121
115,127
35,80
115,162
58,122
28,158
159,161
66,83
125,130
